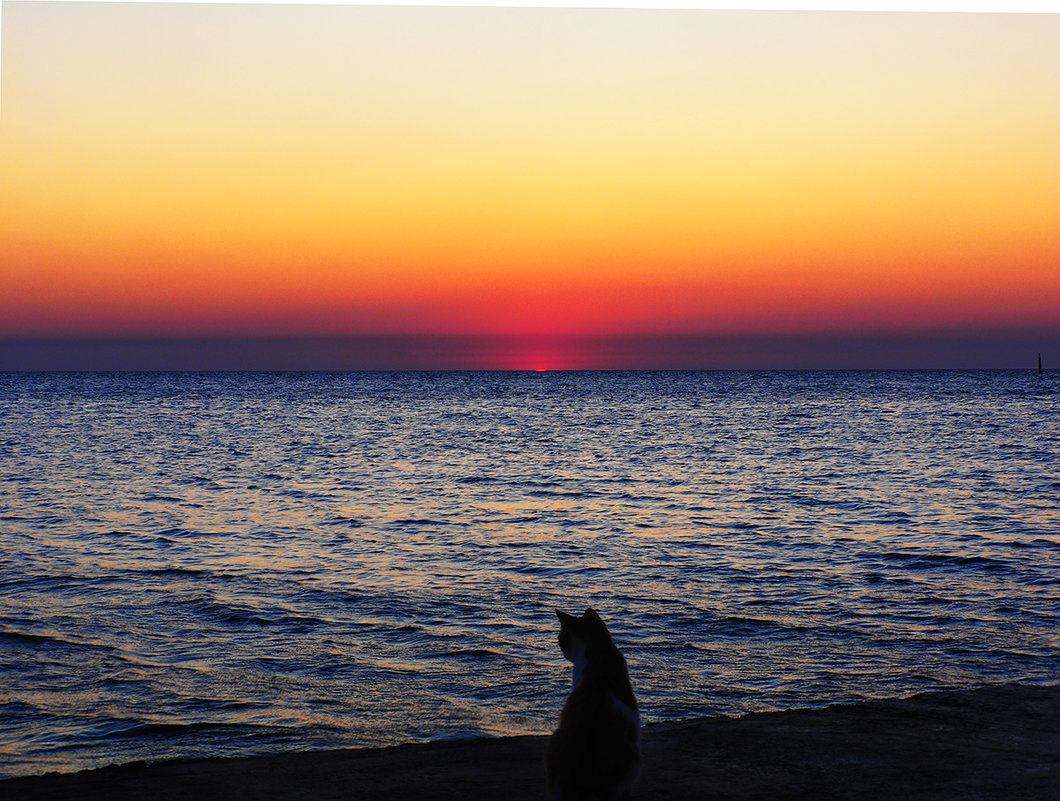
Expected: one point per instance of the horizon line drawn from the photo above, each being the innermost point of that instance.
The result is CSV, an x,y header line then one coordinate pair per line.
x,y
923,350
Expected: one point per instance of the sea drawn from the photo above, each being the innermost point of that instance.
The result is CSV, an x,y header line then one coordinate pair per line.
x,y
223,564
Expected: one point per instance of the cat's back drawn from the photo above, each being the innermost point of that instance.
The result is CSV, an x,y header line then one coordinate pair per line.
x,y
595,753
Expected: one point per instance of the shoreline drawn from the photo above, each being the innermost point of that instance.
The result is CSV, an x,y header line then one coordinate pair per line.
x,y
995,742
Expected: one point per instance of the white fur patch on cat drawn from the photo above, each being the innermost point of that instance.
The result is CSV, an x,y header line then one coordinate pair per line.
x,y
625,711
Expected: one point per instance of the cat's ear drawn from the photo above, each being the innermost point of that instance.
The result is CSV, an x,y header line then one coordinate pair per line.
x,y
590,614
564,618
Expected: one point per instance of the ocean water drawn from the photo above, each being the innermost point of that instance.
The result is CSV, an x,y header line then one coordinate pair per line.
x,y
234,563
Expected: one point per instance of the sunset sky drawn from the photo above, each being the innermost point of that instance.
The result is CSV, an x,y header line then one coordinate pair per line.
x,y
192,173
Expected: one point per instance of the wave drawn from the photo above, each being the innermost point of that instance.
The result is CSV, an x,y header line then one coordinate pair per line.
x,y
930,561
343,521
469,654
120,730
475,479
739,626
53,639
177,571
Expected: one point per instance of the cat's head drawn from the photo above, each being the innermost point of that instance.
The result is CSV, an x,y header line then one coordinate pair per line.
x,y
578,634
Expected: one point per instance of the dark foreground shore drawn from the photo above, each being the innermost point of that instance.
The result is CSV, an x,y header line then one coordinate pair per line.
x,y
999,742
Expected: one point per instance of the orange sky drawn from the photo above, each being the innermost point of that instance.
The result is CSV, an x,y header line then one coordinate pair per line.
x,y
172,170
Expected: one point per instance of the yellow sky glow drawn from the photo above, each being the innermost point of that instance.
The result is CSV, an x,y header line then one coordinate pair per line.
x,y
341,169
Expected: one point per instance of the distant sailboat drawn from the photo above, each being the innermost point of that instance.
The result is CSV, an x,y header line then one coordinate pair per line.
x,y
1039,364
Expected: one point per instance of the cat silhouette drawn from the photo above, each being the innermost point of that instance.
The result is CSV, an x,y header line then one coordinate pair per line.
x,y
594,754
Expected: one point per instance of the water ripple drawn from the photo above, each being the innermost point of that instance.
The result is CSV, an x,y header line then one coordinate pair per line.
x,y
212,564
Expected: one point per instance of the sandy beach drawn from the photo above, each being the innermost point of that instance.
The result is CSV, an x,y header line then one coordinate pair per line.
x,y
998,742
